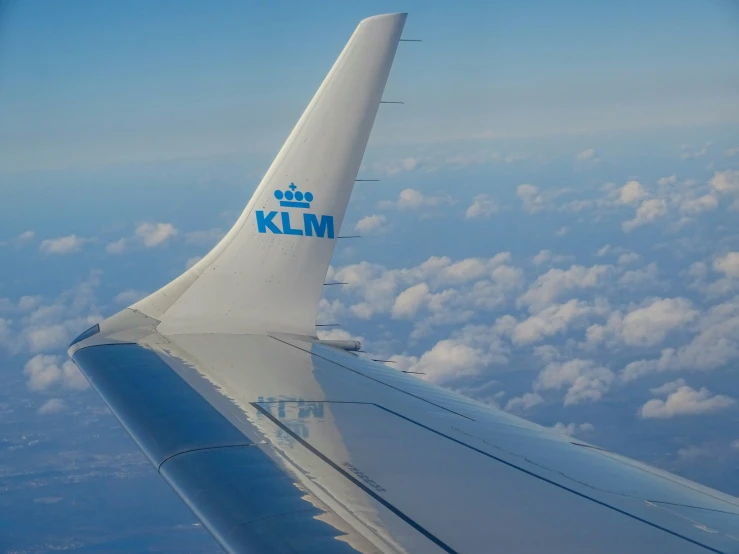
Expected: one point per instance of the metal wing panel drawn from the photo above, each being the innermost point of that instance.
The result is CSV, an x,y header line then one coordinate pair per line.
x,y
240,494
164,415
526,470
302,445
460,498
249,504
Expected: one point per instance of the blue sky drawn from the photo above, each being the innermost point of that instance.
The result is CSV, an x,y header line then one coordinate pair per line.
x,y
85,83
554,231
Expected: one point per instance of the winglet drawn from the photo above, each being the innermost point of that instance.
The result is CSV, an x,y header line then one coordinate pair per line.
x,y
267,273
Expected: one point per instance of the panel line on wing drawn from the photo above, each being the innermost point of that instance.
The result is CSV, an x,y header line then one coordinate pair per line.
x,y
199,449
433,538
259,406
373,379
551,482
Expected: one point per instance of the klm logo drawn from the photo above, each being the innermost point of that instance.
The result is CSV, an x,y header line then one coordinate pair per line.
x,y
290,222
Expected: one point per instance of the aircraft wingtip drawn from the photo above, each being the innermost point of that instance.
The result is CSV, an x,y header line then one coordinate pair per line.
x,y
384,16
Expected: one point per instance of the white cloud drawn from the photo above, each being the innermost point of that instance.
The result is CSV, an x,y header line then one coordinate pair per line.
x,y
632,192
44,371
478,283
728,265
646,325
466,353
668,388
586,380
715,345
411,199
335,333
463,271
650,324
62,245
667,181
155,234
695,206
394,167
551,320
544,257
557,282
546,353
698,270
371,223
685,401
483,206
129,296
49,337
43,327
431,163
507,277
572,429
731,152
693,453
117,247
649,211
644,276
410,301
207,237
28,303
24,238
693,154
533,200
52,406
589,155
628,258
727,183
451,359
524,402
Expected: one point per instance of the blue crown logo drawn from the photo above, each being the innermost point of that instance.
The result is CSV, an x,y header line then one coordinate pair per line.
x,y
293,198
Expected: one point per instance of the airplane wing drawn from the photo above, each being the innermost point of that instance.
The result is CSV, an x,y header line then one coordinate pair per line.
x,y
280,442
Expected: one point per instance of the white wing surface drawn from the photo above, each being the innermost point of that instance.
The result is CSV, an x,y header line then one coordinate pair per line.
x,y
281,443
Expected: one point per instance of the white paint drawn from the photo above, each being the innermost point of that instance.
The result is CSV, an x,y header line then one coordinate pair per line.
x,y
253,282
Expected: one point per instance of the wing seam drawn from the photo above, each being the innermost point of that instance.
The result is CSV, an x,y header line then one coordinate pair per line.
x,y
369,491
200,449
558,485
433,538
373,379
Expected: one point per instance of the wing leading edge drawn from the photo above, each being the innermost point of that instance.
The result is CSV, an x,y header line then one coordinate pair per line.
x,y
279,443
